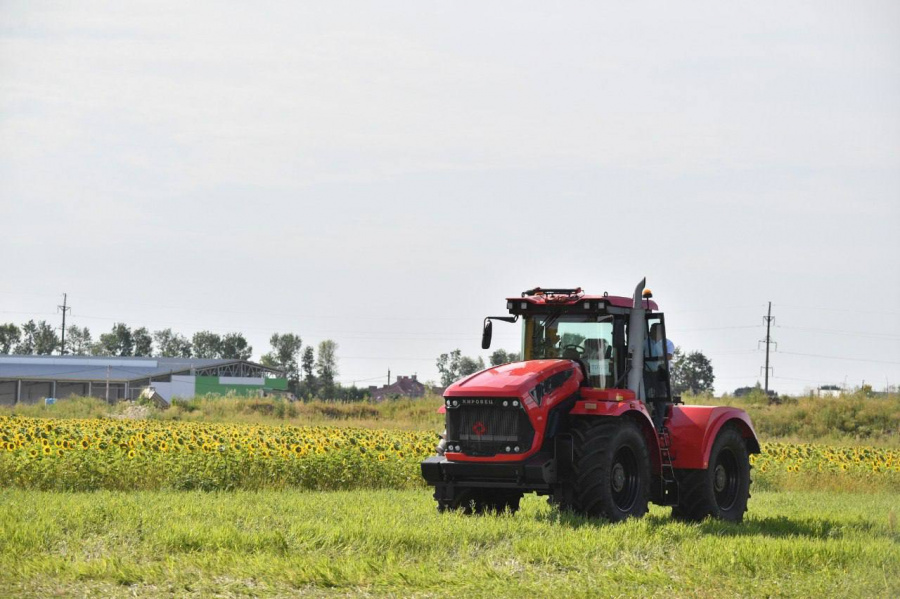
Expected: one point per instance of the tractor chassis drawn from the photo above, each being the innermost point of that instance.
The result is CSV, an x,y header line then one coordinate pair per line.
x,y
537,473
542,473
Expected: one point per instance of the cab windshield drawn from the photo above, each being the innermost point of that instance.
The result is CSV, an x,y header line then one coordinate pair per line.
x,y
573,337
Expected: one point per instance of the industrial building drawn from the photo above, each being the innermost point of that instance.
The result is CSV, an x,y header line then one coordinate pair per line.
x,y
31,379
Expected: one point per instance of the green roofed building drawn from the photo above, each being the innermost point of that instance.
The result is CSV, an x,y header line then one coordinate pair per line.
x,y
31,379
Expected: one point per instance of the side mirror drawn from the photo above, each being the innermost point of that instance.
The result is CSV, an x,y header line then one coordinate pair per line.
x,y
487,333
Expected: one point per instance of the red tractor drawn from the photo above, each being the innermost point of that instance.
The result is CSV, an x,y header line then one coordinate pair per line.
x,y
588,418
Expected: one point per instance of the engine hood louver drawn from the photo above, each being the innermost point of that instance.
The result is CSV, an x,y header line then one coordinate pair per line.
x,y
512,380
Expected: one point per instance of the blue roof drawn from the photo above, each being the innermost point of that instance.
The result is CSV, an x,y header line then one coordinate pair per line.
x,y
98,368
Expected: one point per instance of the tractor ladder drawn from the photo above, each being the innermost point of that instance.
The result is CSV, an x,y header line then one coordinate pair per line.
x,y
668,482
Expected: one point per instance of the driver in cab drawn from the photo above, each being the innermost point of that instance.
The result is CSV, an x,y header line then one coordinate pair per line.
x,y
656,348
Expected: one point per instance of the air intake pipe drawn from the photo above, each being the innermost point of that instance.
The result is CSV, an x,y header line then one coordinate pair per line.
x,y
636,331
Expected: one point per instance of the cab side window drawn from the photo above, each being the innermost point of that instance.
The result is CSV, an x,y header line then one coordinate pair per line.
x,y
657,352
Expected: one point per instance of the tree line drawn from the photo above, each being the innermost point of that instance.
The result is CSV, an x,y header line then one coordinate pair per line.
x,y
311,372
40,338
454,366
690,372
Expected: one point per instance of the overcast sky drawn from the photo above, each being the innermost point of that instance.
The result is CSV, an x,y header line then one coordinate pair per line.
x,y
384,174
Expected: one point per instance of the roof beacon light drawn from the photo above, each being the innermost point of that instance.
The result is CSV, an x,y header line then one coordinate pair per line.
x,y
647,294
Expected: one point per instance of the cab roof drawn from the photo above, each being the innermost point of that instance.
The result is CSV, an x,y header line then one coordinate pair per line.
x,y
572,297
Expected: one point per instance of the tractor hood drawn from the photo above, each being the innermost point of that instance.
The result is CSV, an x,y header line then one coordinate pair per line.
x,y
507,380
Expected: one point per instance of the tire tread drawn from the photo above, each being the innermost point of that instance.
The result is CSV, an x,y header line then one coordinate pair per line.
x,y
696,495
592,442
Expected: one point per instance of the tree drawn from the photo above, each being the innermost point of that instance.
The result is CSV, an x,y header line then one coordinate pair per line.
x,y
25,346
206,345
78,340
143,342
501,356
454,366
469,366
307,364
235,347
691,372
37,339
326,366
351,393
284,354
171,345
46,341
9,337
118,342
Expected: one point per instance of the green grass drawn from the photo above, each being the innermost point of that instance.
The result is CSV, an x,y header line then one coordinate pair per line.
x,y
852,419
393,543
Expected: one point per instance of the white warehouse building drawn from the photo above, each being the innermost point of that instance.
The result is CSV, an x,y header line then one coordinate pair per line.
x,y
31,379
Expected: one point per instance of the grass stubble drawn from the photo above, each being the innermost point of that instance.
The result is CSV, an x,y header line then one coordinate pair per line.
x,y
393,543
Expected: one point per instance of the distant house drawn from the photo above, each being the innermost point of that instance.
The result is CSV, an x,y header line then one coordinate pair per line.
x,y
828,391
404,386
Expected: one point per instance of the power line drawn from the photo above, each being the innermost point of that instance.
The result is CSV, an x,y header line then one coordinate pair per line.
x,y
886,336
789,353
853,311
712,309
789,378
205,310
748,326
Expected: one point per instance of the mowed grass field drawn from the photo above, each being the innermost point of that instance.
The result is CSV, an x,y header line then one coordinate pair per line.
x,y
393,543
232,500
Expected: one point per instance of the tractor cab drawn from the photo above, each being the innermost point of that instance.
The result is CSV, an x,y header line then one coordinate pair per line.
x,y
599,333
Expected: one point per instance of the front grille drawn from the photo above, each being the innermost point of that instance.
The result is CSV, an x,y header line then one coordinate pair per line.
x,y
485,427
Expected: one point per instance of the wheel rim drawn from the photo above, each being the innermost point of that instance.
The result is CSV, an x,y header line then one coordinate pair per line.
x,y
624,480
725,479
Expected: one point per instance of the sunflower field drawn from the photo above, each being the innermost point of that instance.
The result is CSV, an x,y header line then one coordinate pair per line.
x,y
807,465
43,453
90,454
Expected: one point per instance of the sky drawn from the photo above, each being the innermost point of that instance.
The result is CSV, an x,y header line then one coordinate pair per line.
x,y
385,174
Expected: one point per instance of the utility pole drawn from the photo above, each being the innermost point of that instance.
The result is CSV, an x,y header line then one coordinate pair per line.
x,y
107,383
389,377
768,318
64,308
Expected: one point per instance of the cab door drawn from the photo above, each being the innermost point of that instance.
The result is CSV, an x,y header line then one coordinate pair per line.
x,y
657,348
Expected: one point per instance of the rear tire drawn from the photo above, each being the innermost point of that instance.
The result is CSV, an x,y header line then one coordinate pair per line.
x,y
722,490
611,470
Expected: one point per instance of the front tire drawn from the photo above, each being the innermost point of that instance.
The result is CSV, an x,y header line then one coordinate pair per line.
x,y
722,490
611,470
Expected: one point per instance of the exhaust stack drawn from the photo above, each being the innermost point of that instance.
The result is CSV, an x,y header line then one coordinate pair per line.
x,y
636,332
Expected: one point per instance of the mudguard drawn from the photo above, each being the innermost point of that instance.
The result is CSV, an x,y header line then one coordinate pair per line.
x,y
620,403
693,431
